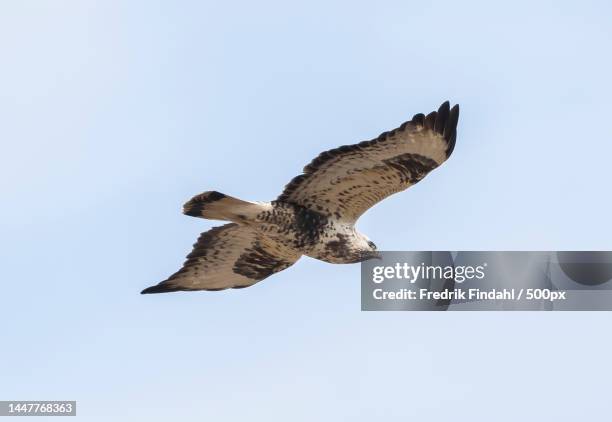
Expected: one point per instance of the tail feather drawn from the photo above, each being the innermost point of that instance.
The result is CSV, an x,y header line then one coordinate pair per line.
x,y
214,205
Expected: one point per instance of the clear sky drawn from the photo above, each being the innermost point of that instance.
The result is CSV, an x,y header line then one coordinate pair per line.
x,y
113,113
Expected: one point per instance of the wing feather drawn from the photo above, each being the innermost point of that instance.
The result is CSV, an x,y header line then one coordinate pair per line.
x,y
229,256
347,181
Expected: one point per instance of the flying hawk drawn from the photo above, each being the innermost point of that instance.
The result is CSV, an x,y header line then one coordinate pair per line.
x,y
316,213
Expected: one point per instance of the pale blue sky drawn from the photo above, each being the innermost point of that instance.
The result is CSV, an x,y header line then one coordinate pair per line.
x,y
114,113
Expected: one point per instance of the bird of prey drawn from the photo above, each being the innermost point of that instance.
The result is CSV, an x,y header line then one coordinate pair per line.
x,y
316,213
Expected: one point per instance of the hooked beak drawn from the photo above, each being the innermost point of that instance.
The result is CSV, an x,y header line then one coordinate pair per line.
x,y
372,255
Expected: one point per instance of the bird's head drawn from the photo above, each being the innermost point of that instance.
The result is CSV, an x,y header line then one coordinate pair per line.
x,y
367,249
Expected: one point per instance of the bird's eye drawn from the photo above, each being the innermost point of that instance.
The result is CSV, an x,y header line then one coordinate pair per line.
x,y
371,244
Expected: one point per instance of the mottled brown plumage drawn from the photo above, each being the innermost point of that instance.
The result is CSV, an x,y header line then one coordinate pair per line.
x,y
315,214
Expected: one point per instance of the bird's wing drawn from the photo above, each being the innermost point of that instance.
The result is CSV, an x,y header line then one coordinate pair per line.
x,y
229,256
346,181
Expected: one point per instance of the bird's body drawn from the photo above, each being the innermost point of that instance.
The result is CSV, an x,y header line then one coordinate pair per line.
x,y
312,233
316,213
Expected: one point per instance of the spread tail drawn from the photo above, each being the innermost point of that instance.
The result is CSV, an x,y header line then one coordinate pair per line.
x,y
217,206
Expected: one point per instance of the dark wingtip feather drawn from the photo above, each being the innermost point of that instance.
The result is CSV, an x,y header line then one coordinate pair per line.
x,y
451,122
418,119
442,117
166,287
450,129
451,143
430,120
161,288
444,121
